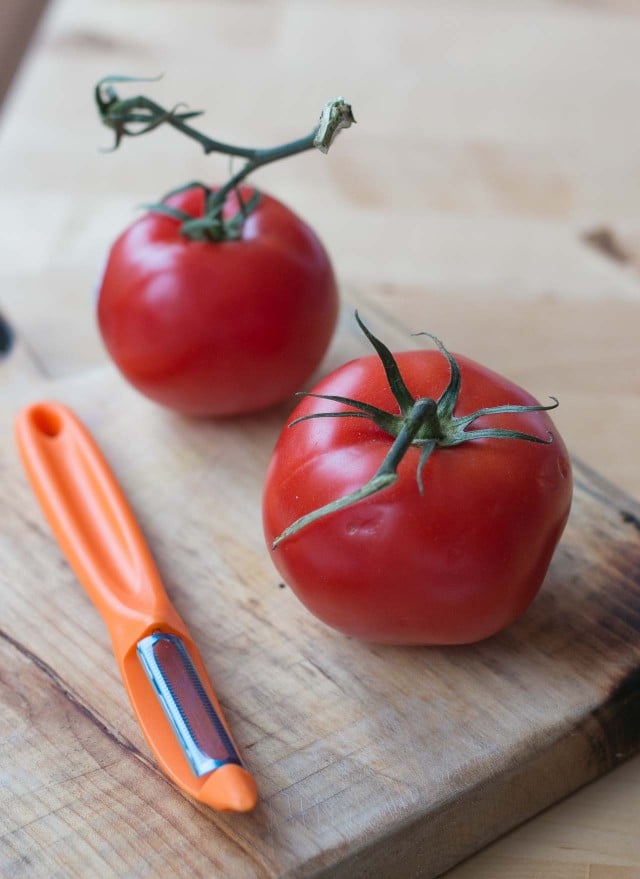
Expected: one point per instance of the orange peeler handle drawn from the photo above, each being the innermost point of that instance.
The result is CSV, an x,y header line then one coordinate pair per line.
x,y
93,523
98,533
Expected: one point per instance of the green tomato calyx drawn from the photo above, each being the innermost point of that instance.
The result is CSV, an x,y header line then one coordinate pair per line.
x,y
211,226
422,422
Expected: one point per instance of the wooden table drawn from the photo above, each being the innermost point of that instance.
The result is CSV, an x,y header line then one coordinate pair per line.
x,y
489,190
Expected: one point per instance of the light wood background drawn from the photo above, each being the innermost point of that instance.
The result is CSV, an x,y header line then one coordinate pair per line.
x,y
491,191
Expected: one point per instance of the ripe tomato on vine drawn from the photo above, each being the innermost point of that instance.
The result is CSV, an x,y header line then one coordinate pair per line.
x,y
220,300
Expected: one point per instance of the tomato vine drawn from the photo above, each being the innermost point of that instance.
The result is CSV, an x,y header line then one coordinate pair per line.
x,y
132,117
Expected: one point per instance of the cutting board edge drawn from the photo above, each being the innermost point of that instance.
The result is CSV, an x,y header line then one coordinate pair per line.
x,y
607,492
591,736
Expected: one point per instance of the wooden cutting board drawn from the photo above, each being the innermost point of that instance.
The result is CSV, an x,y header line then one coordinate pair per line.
x,y
371,761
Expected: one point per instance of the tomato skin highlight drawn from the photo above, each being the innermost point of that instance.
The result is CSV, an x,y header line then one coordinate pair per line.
x,y
218,328
452,566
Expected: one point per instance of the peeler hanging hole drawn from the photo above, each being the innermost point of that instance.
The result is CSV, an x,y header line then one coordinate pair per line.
x,y
46,421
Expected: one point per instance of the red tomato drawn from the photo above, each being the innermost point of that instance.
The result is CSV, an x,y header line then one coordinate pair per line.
x,y
450,566
218,328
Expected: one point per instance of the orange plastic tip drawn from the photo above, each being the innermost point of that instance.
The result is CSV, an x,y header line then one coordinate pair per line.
x,y
230,789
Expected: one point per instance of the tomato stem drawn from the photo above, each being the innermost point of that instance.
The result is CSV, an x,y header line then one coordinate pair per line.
x,y
138,115
423,411
423,422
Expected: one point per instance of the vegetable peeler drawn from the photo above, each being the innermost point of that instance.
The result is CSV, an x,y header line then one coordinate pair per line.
x,y
162,670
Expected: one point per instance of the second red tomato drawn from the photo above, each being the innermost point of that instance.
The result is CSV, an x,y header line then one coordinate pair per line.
x,y
218,327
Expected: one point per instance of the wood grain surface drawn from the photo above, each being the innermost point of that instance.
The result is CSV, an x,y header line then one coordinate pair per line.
x,y
489,194
370,760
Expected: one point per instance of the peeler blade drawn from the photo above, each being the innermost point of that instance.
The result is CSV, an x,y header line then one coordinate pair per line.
x,y
201,734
